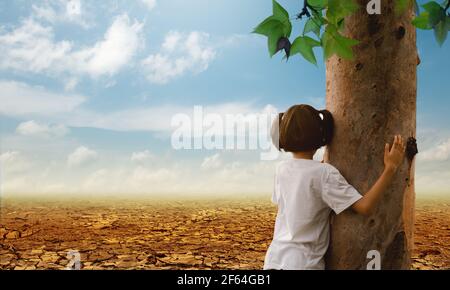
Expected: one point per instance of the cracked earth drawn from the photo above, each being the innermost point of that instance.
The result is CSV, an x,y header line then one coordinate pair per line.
x,y
206,234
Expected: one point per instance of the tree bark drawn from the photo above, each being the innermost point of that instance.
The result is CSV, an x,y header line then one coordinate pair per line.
x,y
372,98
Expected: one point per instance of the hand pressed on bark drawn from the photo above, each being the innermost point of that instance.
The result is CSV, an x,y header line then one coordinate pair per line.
x,y
393,158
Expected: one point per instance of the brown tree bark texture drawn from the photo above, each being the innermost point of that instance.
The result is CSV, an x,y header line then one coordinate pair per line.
x,y
372,98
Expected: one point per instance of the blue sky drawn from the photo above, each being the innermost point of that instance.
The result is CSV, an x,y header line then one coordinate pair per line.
x,y
89,87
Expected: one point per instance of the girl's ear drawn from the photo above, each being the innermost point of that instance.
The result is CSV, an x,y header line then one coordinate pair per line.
x,y
275,131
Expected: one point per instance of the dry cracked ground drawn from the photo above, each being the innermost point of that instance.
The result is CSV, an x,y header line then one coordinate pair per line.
x,y
150,234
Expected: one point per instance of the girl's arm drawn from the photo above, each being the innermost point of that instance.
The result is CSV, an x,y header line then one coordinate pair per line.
x,y
393,158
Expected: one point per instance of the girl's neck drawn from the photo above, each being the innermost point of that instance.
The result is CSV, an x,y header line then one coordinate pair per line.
x,y
304,154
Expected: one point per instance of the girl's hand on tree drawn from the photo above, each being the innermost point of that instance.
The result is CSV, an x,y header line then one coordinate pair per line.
x,y
394,156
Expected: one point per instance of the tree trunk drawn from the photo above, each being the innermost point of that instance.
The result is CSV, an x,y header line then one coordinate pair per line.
x,y
372,98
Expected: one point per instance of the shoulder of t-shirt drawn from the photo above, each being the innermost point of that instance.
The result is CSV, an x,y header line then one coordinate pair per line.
x,y
328,169
280,165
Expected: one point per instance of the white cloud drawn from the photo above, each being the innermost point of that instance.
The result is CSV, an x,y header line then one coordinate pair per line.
x,y
116,50
140,179
71,84
73,8
441,152
212,162
22,100
118,178
32,47
150,176
237,173
433,182
82,155
150,4
33,128
65,11
45,13
13,162
19,99
179,54
171,40
156,118
98,181
141,156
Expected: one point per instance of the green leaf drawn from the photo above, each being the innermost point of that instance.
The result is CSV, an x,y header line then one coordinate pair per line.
x,y
304,45
279,14
432,5
265,26
313,25
441,31
422,21
318,14
335,43
321,4
276,32
434,17
312,42
275,27
287,27
279,11
435,11
339,9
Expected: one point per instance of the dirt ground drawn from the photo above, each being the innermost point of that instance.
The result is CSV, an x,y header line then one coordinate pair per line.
x,y
203,234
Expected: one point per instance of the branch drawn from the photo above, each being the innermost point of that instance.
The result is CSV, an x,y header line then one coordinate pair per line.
x,y
304,10
445,9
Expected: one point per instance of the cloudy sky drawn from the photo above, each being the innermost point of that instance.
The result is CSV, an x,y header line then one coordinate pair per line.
x,y
88,90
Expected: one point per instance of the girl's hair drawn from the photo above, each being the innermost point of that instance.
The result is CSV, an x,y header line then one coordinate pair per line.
x,y
303,128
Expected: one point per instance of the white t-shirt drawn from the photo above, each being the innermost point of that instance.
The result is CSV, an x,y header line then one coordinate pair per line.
x,y
305,191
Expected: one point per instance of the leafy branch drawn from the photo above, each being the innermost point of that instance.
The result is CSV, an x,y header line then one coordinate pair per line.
x,y
325,20
326,29
435,17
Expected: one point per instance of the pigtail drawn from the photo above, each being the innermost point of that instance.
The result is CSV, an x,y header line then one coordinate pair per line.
x,y
327,127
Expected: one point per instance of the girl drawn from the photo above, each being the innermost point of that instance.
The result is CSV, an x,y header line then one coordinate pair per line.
x,y
306,190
